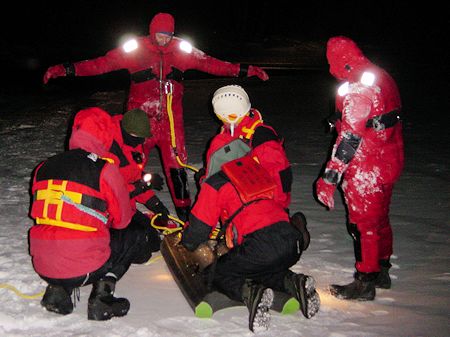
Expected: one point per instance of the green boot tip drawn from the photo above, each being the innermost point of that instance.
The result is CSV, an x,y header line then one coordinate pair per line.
x,y
203,310
291,306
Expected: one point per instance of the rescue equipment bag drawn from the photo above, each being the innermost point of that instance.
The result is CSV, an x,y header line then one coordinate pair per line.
x,y
251,180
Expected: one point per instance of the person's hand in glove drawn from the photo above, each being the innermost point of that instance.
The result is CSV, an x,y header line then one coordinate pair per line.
x,y
257,71
156,205
157,182
54,72
324,192
148,181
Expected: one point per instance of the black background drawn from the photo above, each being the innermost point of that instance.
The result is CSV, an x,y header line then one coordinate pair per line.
x,y
39,34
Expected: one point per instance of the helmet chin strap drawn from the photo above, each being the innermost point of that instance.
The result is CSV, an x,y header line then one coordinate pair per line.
x,y
232,129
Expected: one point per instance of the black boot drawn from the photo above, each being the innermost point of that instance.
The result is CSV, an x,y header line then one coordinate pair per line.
x,y
183,213
57,299
383,279
102,305
298,220
361,289
303,287
258,300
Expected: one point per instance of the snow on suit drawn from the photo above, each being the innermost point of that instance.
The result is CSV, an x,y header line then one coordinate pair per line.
x,y
367,156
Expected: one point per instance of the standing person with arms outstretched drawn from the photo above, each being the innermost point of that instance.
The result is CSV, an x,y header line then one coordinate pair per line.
x,y
156,64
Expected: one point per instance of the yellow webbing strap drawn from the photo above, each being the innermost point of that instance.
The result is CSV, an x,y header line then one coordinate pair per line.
x,y
64,224
173,142
54,195
251,130
109,160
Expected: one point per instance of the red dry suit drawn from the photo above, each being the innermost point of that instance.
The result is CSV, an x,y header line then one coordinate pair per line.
x,y
77,196
368,153
131,160
265,145
219,199
156,87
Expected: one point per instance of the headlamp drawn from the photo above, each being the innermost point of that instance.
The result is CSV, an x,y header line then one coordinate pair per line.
x,y
147,177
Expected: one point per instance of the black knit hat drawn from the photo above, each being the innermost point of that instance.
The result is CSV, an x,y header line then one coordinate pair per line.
x,y
136,123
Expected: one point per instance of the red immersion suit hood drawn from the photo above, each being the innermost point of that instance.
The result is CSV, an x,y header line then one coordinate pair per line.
x,y
345,58
91,131
161,22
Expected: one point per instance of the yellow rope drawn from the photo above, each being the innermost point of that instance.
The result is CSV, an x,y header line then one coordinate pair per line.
x,y
192,168
21,294
166,230
172,133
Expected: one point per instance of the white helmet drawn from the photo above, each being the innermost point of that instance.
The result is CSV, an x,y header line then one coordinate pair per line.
x,y
231,104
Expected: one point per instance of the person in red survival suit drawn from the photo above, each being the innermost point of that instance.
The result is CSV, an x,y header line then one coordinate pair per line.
x,y
82,232
263,244
367,158
244,131
129,132
156,64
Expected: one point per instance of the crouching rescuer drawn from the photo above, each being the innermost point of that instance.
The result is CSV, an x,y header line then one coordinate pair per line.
x,y
262,244
82,233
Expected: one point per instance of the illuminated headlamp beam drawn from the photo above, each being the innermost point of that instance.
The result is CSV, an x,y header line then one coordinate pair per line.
x,y
147,177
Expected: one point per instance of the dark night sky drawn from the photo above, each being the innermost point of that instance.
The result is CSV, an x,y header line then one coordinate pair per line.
x,y
40,34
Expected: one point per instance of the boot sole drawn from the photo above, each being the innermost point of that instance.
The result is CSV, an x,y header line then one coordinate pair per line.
x,y
261,321
308,297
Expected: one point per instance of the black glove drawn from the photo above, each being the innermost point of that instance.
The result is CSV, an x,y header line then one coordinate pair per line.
x,y
157,182
186,239
140,186
156,205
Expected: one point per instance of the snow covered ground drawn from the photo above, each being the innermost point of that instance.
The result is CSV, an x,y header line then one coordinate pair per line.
x,y
34,127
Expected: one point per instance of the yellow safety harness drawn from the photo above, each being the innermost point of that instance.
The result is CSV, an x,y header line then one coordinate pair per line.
x,y
251,130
